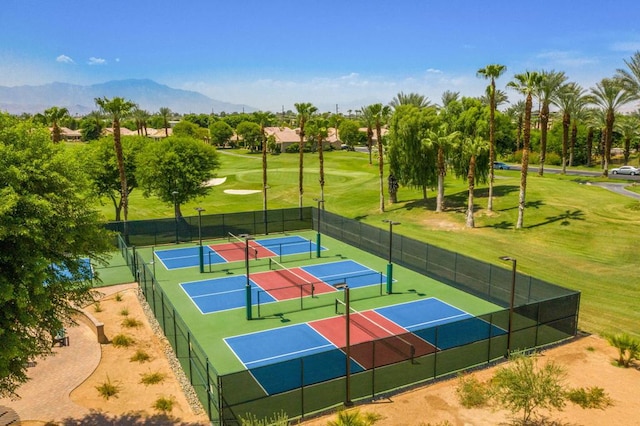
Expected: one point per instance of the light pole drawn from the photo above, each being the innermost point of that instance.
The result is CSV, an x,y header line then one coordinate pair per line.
x,y
318,244
390,264
347,338
200,248
511,302
247,238
175,211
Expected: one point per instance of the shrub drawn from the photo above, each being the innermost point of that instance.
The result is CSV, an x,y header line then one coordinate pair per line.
x,y
293,148
354,418
108,389
594,397
131,323
163,404
118,297
472,392
140,356
152,378
97,307
124,312
122,341
278,419
627,346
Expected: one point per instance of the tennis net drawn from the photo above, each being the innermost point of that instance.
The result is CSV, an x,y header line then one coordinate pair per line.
x,y
241,243
290,276
402,348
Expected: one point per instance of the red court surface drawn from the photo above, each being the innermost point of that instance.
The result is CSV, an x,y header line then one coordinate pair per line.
x,y
374,340
290,284
233,252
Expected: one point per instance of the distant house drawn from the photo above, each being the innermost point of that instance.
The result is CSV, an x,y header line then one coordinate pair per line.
x,y
285,137
159,134
69,135
123,131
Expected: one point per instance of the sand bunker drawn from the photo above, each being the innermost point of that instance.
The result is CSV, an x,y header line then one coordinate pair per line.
x,y
241,191
215,181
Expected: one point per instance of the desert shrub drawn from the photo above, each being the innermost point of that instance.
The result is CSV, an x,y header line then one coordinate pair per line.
x,y
278,419
122,341
131,323
118,297
97,307
140,356
628,348
472,392
164,404
354,418
152,378
108,389
593,397
124,312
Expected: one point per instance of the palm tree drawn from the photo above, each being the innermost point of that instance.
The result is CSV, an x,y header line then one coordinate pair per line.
x,y
631,78
367,117
448,96
118,108
141,117
566,99
627,126
305,110
264,118
526,83
416,99
549,86
516,113
579,115
442,140
53,117
380,115
491,72
319,130
469,149
165,113
609,95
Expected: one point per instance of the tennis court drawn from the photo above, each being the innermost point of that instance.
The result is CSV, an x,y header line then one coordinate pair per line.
x,y
219,294
234,251
399,332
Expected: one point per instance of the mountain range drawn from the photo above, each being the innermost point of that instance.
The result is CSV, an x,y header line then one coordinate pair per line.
x,y
79,100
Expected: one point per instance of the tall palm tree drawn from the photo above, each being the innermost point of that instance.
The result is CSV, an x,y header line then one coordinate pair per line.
x,y
469,149
491,72
579,115
165,113
567,99
141,117
118,108
448,96
319,130
368,119
442,140
416,99
53,117
264,119
380,115
631,78
549,86
305,111
609,95
526,83
516,113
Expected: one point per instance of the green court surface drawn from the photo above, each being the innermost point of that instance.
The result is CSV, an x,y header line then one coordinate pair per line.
x,y
210,329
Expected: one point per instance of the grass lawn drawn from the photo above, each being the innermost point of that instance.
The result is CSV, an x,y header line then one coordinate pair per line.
x,y
576,235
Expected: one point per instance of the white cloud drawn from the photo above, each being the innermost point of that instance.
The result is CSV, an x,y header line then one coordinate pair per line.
x,y
64,59
626,46
434,71
96,61
565,59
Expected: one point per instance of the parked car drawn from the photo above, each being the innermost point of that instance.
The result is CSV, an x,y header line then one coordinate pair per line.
x,y
626,170
500,166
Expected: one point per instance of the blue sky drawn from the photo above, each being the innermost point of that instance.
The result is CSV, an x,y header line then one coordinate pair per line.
x,y
273,53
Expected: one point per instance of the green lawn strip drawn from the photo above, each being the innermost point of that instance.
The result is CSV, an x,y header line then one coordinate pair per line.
x,y
210,329
576,235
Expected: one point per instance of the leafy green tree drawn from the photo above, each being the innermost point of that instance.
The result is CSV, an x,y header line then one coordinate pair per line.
x,y
118,108
523,386
251,134
526,83
47,222
102,167
221,133
305,111
550,83
189,130
91,126
176,164
53,117
491,72
349,132
609,95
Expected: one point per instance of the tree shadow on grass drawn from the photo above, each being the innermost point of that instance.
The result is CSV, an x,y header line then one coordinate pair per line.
x,y
96,418
564,218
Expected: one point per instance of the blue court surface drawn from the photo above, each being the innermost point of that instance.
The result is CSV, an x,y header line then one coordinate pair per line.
x,y
276,357
85,270
225,293
189,257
